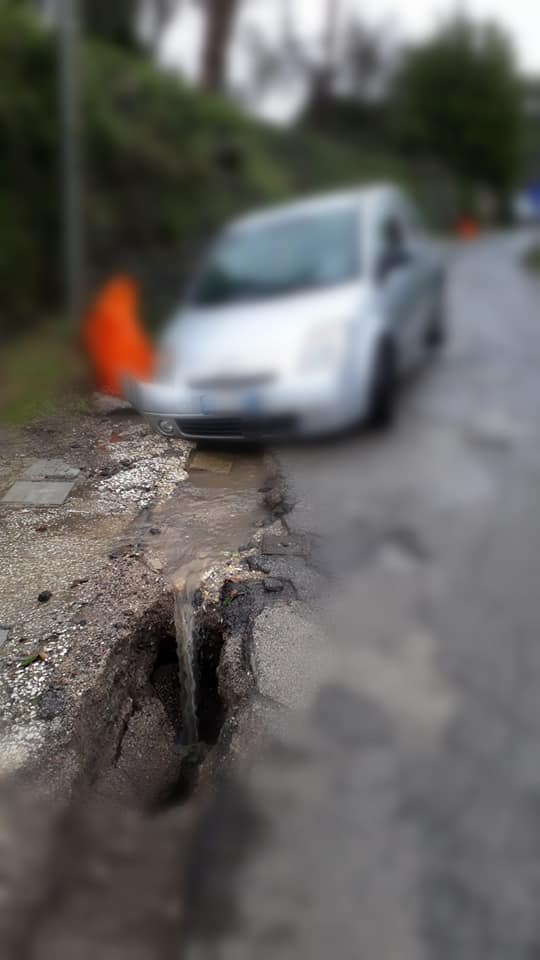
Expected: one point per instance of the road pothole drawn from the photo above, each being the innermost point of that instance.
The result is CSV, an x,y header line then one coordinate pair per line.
x,y
167,709
147,759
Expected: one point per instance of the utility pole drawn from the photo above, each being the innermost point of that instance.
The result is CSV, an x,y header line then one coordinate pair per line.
x,y
330,38
70,104
220,16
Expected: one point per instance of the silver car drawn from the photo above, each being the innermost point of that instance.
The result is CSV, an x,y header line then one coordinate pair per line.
x,y
302,321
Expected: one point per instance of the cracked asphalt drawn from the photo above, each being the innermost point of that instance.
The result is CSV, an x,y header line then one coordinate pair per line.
x,y
393,808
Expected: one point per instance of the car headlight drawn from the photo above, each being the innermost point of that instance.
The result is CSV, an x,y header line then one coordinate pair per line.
x,y
324,349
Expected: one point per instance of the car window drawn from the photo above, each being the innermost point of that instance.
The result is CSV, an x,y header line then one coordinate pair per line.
x,y
297,253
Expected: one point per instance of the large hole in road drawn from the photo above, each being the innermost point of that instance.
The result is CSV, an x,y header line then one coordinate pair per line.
x,y
166,678
166,681
210,707
144,759
159,710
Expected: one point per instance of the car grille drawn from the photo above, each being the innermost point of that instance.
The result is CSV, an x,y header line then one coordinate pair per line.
x,y
237,428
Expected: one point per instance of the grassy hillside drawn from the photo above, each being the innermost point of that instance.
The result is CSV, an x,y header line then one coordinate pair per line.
x,y
163,166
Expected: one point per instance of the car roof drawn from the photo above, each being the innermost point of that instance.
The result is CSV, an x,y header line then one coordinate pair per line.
x,y
374,195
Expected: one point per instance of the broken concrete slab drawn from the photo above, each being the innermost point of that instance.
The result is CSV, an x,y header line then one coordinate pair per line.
x,y
43,493
3,636
50,470
45,483
211,462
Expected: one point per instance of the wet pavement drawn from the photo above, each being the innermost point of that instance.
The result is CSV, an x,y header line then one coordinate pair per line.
x,y
393,810
215,514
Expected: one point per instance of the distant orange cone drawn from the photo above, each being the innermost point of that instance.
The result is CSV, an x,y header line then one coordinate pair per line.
x,y
114,339
467,228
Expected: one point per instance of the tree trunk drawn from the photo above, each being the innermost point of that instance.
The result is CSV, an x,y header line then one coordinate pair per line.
x,y
333,11
327,71
220,16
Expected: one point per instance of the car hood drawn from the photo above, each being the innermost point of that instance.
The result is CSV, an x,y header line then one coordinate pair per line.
x,y
260,339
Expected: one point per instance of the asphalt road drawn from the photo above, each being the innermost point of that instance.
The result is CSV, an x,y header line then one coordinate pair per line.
x,y
394,813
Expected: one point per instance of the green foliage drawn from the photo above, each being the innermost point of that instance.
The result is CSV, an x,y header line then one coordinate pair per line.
x,y
111,20
531,145
458,97
163,166
29,183
36,369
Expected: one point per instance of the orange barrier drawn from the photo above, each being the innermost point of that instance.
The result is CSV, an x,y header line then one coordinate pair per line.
x,y
467,228
114,339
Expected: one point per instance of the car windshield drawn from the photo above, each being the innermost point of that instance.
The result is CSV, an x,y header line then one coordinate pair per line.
x,y
286,256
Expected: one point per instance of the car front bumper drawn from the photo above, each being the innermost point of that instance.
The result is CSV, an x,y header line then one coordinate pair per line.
x,y
307,406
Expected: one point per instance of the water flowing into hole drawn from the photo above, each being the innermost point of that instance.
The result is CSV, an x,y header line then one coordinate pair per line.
x,y
204,522
186,584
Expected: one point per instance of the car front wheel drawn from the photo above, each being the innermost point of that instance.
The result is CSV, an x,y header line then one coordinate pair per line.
x,y
437,332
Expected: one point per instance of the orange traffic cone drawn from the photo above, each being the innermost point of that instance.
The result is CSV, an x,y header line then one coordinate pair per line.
x,y
467,228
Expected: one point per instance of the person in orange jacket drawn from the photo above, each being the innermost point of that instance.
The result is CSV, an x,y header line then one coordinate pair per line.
x,y
114,339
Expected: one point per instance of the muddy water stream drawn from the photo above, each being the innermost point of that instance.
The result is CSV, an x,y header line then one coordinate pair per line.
x,y
209,517
185,589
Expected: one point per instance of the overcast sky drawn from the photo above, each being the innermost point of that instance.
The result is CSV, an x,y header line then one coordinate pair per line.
x,y
409,19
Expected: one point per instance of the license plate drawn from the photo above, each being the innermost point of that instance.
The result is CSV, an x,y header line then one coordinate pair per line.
x,y
246,402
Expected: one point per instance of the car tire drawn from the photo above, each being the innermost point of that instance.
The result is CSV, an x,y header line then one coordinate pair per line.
x,y
437,332
383,402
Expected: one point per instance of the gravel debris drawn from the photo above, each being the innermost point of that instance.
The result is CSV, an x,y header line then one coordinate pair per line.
x,y
67,643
